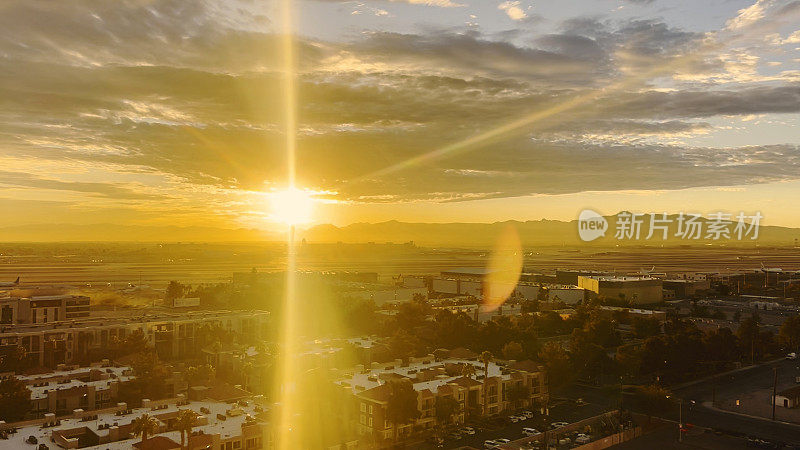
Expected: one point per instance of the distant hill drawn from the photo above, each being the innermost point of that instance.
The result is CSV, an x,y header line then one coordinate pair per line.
x,y
117,233
532,233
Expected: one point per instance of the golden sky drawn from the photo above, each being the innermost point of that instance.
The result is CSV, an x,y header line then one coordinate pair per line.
x,y
168,112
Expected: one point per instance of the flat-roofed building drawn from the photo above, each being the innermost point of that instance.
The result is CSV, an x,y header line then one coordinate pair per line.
x,y
634,290
43,309
173,335
85,388
570,276
219,425
683,288
506,388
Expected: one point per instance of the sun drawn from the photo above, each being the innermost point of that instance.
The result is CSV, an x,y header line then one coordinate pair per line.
x,y
291,206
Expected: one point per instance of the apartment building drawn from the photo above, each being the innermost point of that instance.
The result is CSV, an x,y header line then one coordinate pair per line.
x,y
43,309
219,426
173,335
500,387
87,388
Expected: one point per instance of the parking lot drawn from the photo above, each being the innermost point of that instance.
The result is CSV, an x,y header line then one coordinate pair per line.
x,y
501,428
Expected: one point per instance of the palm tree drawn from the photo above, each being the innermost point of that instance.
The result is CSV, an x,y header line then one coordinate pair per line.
x,y
468,370
187,419
144,425
486,358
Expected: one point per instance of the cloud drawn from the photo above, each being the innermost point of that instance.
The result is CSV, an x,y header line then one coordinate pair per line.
x,y
513,10
434,3
187,98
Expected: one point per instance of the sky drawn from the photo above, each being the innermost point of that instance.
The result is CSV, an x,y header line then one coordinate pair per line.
x,y
169,112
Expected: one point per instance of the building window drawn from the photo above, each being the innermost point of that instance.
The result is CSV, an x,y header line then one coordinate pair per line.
x,y
363,420
363,407
370,409
370,422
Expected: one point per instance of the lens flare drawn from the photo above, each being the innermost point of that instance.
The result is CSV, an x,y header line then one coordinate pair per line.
x,y
504,269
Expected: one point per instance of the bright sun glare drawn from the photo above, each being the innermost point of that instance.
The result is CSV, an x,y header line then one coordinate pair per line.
x,y
291,206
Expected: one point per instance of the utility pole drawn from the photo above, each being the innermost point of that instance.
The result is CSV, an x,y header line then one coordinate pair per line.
x,y
774,389
680,420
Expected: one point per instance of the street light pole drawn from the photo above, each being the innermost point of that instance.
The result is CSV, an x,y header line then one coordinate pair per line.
x,y
680,420
774,389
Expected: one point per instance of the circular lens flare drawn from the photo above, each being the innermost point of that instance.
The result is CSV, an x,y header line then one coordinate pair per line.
x,y
504,269
291,206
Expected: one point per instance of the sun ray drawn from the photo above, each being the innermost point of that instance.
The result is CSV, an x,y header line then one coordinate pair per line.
x,y
524,123
287,436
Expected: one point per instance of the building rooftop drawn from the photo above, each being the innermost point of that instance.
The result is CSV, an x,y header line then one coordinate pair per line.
x,y
227,428
371,378
469,271
117,320
620,278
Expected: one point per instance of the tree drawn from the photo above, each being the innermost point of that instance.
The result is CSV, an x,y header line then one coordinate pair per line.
x,y
517,393
175,290
790,332
15,399
402,405
629,360
557,365
652,400
135,342
486,358
644,328
200,375
144,425
13,359
748,333
468,370
446,407
403,345
186,420
513,350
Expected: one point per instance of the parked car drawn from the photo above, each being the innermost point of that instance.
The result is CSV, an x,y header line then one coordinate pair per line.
x,y
530,431
454,436
555,425
527,414
468,430
502,441
583,438
513,419
490,443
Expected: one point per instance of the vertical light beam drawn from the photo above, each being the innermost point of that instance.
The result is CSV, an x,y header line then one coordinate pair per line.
x,y
288,436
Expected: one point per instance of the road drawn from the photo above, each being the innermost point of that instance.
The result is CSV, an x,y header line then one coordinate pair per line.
x,y
727,385
723,386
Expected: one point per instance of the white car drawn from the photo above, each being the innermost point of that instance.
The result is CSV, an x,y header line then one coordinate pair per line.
x,y
530,431
583,438
527,414
513,419
490,444
468,430
558,425
791,356
502,441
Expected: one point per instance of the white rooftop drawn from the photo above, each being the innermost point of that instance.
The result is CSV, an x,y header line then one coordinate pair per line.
x,y
370,378
227,428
